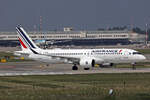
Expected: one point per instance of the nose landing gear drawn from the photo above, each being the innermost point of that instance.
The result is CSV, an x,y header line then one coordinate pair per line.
x,y
133,65
74,67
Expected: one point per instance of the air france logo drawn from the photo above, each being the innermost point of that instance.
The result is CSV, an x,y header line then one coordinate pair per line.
x,y
107,51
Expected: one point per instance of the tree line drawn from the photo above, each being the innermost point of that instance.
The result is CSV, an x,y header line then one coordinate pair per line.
x,y
135,29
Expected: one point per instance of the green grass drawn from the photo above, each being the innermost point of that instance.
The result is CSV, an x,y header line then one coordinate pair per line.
x,y
2,54
76,87
138,65
8,55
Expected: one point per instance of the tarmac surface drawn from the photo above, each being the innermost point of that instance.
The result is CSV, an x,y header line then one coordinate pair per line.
x,y
37,68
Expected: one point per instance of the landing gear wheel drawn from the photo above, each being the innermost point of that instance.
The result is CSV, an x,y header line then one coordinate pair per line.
x,y
86,68
133,65
47,65
101,66
74,67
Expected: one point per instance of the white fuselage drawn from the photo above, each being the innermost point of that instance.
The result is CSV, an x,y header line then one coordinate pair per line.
x,y
100,55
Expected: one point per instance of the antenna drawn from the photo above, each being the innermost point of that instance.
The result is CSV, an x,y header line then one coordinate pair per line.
x,y
40,23
34,26
146,35
42,33
131,23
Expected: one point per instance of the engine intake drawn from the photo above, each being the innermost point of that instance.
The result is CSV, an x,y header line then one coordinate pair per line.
x,y
87,63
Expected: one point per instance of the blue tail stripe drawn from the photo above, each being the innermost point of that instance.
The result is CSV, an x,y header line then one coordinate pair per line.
x,y
34,51
26,37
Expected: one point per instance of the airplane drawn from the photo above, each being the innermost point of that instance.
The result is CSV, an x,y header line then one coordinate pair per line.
x,y
86,58
39,42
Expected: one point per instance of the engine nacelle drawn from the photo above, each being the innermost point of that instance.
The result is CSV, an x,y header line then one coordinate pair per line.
x,y
87,63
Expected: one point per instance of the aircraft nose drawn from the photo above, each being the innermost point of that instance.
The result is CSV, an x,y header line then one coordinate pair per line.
x,y
143,57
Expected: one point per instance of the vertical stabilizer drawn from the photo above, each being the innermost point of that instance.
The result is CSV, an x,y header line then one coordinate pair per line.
x,y
26,42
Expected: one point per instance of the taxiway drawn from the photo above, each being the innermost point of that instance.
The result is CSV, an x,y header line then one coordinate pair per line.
x,y
37,68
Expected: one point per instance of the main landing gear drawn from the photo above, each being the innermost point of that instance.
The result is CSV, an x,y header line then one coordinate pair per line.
x,y
74,67
133,65
86,68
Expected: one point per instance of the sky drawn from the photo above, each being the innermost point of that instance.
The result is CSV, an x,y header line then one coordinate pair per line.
x,y
79,14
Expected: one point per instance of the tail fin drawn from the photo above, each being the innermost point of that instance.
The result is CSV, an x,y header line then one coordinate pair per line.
x,y
25,41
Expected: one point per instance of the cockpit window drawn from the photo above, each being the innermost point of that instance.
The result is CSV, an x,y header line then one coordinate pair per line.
x,y
136,53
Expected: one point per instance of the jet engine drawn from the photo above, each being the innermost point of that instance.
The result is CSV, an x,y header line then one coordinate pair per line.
x,y
87,63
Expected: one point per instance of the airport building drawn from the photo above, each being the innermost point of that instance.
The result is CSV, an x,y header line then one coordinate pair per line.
x,y
70,37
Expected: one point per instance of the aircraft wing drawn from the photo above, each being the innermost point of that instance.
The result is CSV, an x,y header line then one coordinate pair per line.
x,y
72,59
34,56
20,53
